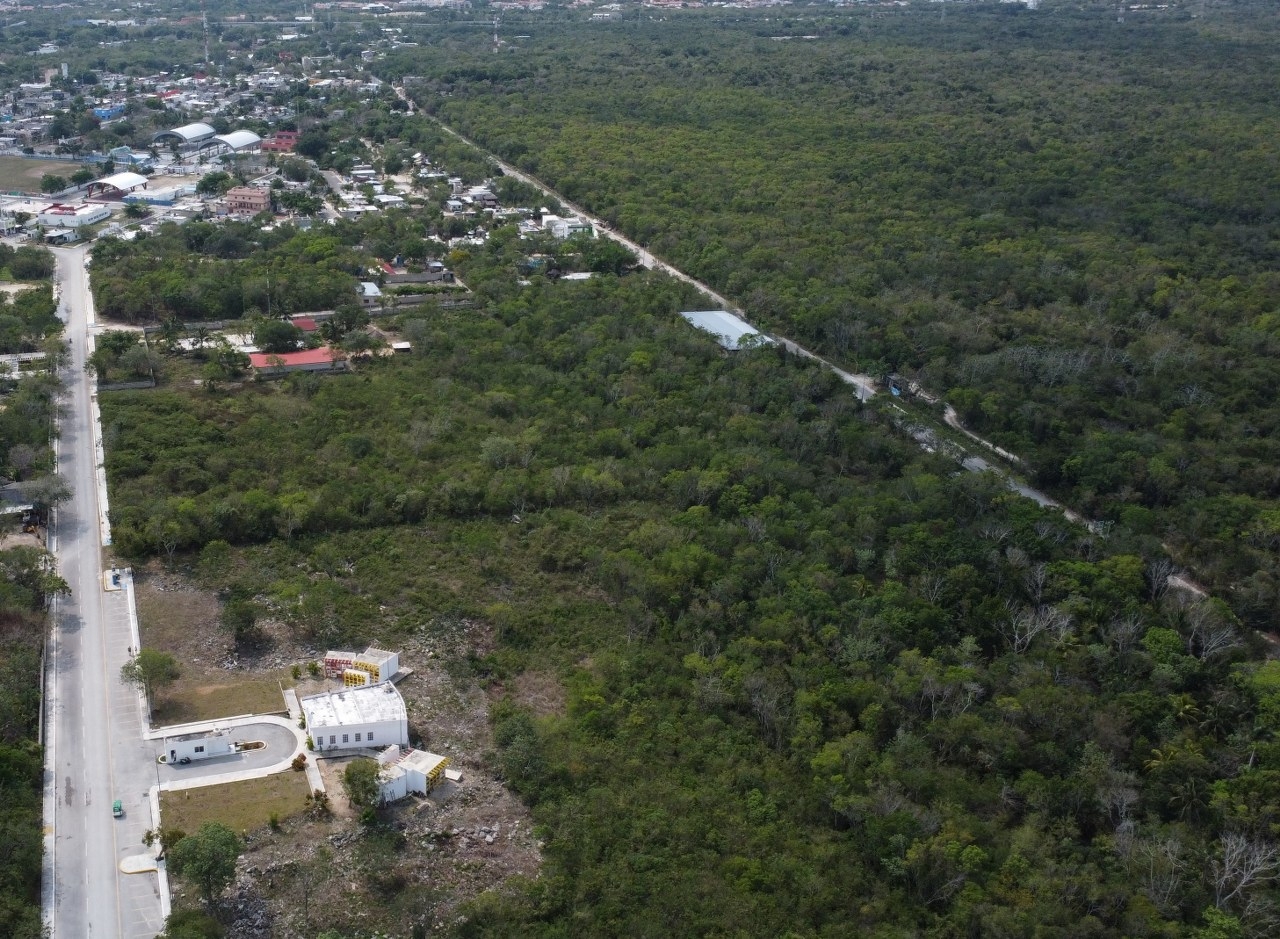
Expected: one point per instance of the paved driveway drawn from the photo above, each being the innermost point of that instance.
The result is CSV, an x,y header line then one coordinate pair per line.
x,y
281,742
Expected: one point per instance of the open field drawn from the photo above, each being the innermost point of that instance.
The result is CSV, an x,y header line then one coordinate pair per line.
x,y
241,806
20,173
183,621
192,698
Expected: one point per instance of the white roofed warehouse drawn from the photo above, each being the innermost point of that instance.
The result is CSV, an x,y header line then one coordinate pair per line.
x,y
187,134
369,716
732,332
235,141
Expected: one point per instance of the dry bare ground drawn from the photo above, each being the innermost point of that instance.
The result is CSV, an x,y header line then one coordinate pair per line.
x,y
324,869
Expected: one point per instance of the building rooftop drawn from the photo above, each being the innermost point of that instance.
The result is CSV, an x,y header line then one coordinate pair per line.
x,y
732,332
190,133
364,705
239,139
305,357
396,760
199,734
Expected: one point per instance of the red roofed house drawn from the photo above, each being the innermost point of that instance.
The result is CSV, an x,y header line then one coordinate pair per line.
x,y
276,364
306,323
282,141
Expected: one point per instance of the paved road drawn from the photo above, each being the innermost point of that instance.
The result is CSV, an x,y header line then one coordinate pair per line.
x,y
333,179
94,721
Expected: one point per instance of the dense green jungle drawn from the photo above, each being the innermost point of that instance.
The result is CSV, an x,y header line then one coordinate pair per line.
x,y
1063,224
817,681
28,404
25,588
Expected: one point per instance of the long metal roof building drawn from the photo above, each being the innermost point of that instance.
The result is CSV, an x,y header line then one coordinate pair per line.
x,y
731,331
188,133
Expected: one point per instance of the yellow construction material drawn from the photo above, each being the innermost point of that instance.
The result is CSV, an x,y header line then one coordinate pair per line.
x,y
355,678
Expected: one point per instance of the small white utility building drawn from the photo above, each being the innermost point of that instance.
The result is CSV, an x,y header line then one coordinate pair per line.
x,y
732,332
201,745
406,771
370,716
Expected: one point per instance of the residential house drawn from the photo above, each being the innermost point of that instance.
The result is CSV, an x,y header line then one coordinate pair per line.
x,y
246,200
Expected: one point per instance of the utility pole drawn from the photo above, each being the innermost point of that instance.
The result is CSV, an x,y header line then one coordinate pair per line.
x,y
204,19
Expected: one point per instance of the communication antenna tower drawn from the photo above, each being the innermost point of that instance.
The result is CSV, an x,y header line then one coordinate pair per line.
x,y
204,20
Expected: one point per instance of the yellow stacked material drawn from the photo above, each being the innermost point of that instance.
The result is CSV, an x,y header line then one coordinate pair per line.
x,y
355,678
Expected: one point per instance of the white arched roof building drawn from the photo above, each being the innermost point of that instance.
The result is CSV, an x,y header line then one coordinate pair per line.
x,y
119,182
188,133
236,140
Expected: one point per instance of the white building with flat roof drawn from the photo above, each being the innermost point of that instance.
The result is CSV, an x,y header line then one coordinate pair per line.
x,y
369,716
563,228
406,771
732,332
72,216
201,745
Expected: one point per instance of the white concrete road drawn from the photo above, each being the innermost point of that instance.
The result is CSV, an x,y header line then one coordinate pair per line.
x,y
95,724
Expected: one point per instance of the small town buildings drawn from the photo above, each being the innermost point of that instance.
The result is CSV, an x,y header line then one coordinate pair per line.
x,y
169,195
246,200
124,156
566,227
369,716
408,771
202,745
481,196
59,215
370,293
732,332
433,272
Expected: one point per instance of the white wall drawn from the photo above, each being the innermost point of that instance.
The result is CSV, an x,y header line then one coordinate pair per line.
x,y
201,748
384,734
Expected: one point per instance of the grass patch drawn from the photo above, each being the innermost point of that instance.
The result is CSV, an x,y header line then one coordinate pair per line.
x,y
18,173
241,806
193,699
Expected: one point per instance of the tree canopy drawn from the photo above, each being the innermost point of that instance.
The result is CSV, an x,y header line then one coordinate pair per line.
x,y
1086,274
206,859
